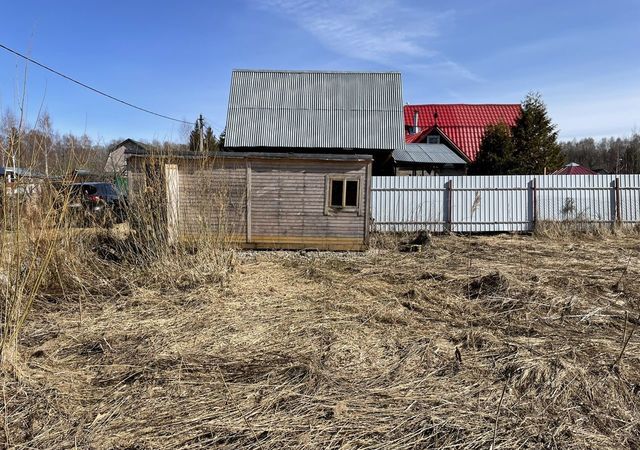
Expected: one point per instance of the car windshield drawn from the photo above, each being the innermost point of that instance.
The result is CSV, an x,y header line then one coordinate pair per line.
x,y
102,189
107,189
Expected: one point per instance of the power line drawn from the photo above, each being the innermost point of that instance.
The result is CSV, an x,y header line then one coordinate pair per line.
x,y
91,88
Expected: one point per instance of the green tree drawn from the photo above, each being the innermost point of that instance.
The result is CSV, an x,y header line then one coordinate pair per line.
x,y
221,140
535,139
496,152
210,141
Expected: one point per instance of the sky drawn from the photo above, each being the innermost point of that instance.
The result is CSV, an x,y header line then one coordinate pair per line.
x,y
176,57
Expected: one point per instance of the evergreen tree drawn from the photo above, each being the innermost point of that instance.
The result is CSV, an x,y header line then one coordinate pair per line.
x,y
535,139
210,141
496,152
221,139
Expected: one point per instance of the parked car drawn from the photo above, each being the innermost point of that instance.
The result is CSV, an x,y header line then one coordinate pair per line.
x,y
96,203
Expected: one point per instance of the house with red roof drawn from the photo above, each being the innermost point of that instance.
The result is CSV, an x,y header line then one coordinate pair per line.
x,y
574,169
460,127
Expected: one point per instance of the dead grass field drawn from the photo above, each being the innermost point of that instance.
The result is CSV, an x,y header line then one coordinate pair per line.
x,y
510,341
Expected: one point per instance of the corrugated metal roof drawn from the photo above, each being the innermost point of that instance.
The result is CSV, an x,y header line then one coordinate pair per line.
x,y
253,155
464,125
427,153
574,169
289,109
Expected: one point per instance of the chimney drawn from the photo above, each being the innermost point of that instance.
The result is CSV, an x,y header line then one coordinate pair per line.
x,y
435,118
416,128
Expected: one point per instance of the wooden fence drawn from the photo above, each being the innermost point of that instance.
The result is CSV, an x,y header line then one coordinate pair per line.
x,y
503,203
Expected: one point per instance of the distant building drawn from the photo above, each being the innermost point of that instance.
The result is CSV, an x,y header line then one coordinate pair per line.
x,y
117,159
574,169
317,112
460,127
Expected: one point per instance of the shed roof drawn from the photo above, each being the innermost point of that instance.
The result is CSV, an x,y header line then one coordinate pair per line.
x,y
427,154
319,110
254,155
574,169
463,124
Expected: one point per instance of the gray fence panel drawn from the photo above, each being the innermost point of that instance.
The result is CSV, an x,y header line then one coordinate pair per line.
x,y
630,199
502,203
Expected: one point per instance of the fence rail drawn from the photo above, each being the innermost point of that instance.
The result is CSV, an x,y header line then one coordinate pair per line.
x,y
502,203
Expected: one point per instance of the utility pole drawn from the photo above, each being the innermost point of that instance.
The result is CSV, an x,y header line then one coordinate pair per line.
x,y
201,122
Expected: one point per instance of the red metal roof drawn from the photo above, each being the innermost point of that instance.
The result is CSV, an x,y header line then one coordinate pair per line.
x,y
574,169
464,125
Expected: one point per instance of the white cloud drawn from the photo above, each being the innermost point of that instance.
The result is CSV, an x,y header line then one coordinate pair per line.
x,y
380,31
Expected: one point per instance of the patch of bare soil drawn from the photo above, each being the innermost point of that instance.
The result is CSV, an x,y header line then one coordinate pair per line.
x,y
510,342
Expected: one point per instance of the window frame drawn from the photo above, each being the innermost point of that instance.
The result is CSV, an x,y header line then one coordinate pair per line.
x,y
344,208
432,136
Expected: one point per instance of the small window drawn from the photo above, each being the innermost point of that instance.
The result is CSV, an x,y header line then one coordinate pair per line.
x,y
344,193
433,139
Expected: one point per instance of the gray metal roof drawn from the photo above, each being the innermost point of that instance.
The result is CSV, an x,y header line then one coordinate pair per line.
x,y
252,155
427,154
295,109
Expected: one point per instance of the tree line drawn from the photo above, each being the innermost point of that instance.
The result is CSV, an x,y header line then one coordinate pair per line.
x,y
612,155
40,148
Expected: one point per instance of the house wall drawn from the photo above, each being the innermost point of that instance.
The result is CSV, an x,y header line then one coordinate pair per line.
x,y
288,204
116,162
265,203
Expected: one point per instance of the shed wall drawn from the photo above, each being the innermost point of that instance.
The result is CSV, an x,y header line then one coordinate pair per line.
x,y
265,203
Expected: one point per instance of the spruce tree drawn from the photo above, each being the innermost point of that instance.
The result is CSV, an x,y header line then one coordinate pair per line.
x,y
535,139
496,152
210,141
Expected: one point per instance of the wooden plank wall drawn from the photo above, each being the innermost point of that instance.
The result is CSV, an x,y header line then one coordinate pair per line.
x,y
286,200
288,203
212,197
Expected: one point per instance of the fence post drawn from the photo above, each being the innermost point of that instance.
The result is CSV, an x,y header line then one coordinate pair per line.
x,y
247,205
449,225
618,202
534,204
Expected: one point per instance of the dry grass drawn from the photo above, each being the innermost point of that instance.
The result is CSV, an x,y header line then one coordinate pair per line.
x,y
515,342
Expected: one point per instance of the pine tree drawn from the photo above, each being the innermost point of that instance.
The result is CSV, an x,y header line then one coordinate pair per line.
x,y
496,152
210,141
221,139
194,138
535,139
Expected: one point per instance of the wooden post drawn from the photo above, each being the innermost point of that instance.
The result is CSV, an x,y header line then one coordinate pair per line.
x,y
248,203
367,203
534,203
173,205
450,206
618,202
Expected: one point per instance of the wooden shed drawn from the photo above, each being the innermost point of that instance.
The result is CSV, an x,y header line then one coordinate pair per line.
x,y
261,200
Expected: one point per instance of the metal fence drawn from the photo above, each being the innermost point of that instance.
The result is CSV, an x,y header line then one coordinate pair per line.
x,y
502,203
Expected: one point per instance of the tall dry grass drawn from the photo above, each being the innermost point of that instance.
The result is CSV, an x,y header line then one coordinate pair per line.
x,y
47,252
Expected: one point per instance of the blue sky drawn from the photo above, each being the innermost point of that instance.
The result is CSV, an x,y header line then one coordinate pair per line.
x,y
176,57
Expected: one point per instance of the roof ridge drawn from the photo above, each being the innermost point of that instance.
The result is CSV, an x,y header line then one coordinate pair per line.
x,y
462,104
